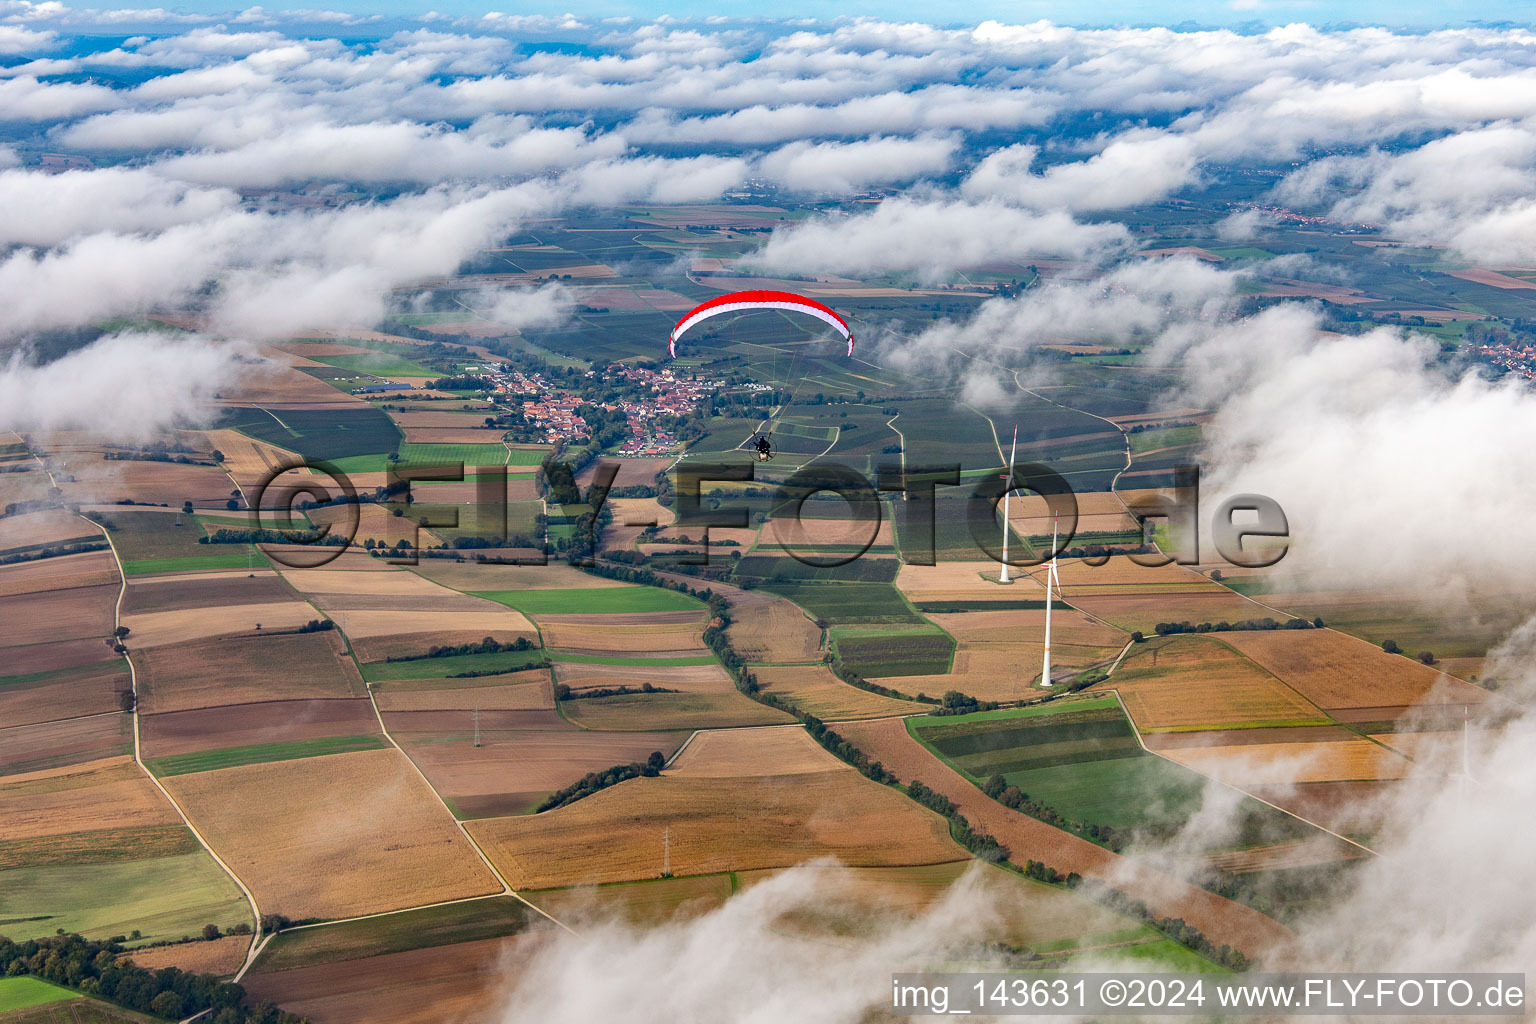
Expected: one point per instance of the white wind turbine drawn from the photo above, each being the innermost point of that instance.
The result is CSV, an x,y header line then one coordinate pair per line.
x,y
1051,580
1004,577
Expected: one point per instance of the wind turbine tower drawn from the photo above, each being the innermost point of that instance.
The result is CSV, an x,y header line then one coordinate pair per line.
x,y
1003,577
1051,580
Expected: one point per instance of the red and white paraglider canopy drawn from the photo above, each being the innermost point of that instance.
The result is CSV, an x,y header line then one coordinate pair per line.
x,y
737,301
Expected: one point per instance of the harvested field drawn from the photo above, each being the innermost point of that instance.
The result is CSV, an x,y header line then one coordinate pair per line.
x,y
639,511
626,638
999,671
1164,741
717,825
964,581
652,711
1097,512
765,627
683,678
1270,764
111,793
751,753
1190,682
636,603
452,435
67,572
55,615
468,981
203,591
529,690
30,748
375,649
1222,920
1077,576
335,836
868,900
523,757
374,522
477,576
805,534
241,725
1027,625
239,670
647,903
1348,808
247,460
191,625
70,694
170,482
50,526
221,957
498,621
1440,749
816,691
1144,611
1337,671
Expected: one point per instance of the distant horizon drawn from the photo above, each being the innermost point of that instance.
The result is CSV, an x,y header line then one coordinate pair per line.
x,y
347,17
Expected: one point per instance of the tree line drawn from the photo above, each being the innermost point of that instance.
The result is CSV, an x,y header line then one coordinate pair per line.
x,y
105,971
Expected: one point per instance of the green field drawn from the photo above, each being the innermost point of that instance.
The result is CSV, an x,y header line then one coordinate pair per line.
x,y
380,365
395,933
874,655
594,601
261,753
441,668
788,569
238,558
20,993
849,603
319,434
163,897
1082,759
151,542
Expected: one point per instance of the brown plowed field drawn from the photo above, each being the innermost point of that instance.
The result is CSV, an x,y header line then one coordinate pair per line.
x,y
170,482
765,627
1222,920
624,639
523,756
248,461
243,725
204,591
111,793
50,526
465,982
239,670
29,748
716,824
334,836
28,658
659,711
786,533
1337,671
54,615
395,582
90,692
632,472
816,691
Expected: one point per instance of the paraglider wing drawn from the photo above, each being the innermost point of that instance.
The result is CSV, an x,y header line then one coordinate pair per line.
x,y
737,301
